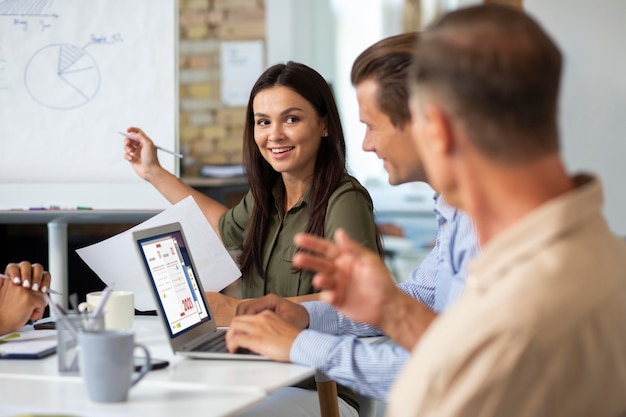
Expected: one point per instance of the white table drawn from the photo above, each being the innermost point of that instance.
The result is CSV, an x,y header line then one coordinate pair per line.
x,y
187,387
57,221
46,395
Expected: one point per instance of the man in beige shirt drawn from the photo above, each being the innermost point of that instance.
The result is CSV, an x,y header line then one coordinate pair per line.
x,y
541,327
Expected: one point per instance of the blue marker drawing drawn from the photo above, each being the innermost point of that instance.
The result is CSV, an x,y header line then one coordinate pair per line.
x,y
62,76
59,76
36,8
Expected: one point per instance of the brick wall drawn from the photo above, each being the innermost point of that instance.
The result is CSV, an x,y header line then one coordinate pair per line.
x,y
211,133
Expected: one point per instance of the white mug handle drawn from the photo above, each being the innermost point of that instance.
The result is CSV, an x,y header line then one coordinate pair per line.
x,y
146,366
82,307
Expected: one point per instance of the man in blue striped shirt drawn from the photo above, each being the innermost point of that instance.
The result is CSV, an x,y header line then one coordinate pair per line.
x,y
314,333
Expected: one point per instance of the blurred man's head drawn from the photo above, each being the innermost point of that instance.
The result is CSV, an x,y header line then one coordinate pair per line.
x,y
380,76
488,74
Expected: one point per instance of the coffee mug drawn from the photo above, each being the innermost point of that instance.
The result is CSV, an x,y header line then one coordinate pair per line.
x,y
106,364
119,310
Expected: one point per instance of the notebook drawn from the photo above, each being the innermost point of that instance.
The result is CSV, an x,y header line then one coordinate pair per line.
x,y
28,344
181,304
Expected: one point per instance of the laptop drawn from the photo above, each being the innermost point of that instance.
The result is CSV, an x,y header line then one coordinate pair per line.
x,y
176,288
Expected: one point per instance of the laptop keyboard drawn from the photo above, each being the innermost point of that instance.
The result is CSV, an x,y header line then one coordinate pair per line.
x,y
215,344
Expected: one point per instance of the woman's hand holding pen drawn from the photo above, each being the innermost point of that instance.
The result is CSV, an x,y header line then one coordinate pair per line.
x,y
22,296
141,153
28,275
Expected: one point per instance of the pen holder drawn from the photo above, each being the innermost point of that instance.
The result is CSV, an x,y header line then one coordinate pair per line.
x,y
68,326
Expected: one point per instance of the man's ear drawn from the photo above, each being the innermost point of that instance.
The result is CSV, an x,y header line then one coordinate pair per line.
x,y
440,131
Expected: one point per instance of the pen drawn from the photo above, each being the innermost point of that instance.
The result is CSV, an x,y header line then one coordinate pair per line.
x,y
62,316
106,293
176,154
50,290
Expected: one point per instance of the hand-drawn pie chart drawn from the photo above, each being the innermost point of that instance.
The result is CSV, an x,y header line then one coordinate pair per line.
x,y
62,76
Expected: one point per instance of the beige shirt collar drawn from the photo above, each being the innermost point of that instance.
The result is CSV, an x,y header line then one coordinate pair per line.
x,y
528,234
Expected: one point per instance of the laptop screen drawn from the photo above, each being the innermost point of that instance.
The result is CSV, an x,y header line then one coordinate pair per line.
x,y
174,281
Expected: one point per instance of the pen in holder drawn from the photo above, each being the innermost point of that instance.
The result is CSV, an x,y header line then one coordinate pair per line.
x,y
118,307
68,328
69,324
99,312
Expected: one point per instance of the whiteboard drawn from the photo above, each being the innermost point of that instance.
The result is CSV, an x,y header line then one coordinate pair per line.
x,y
72,74
593,99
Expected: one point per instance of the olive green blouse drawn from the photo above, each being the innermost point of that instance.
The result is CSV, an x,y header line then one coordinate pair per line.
x,y
349,207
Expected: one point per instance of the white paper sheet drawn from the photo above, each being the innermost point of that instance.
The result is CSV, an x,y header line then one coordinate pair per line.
x,y
118,264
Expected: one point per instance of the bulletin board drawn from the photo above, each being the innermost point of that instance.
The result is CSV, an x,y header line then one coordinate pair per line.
x,y
72,74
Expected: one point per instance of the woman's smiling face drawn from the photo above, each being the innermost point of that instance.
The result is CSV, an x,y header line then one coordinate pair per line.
x,y
287,131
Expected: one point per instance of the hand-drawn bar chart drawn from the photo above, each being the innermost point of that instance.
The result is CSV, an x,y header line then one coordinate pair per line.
x,y
26,8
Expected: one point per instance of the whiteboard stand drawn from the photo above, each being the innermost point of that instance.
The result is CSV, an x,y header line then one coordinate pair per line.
x,y
58,221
